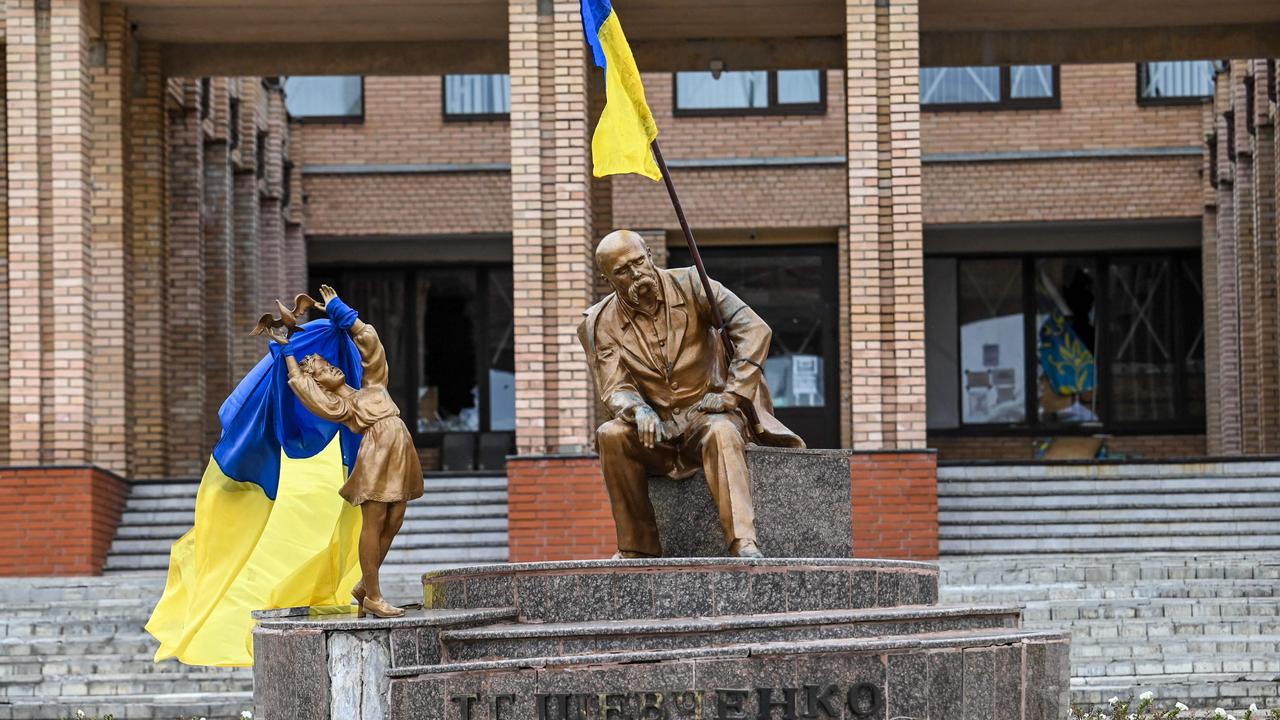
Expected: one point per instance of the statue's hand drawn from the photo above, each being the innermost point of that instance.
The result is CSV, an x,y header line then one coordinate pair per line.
x,y
648,426
716,402
327,293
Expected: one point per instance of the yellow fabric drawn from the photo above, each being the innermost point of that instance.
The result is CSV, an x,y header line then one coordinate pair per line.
x,y
626,127
248,553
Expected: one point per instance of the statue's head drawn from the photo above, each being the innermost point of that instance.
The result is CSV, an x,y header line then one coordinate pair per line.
x,y
626,262
326,374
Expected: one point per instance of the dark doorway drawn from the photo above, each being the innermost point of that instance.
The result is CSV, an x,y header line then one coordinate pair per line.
x,y
793,287
448,331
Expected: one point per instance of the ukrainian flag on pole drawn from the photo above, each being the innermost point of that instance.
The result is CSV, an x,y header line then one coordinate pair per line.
x,y
626,127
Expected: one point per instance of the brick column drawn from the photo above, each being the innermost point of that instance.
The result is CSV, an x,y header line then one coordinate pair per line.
x,y
186,437
271,251
551,223
1267,313
49,103
247,296
216,229
886,290
1226,254
145,331
1209,285
1247,257
5,410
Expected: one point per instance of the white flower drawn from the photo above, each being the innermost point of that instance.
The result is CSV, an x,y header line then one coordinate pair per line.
x,y
1133,716
1219,714
1148,695
80,714
1253,707
1181,707
1231,717
246,715
1113,700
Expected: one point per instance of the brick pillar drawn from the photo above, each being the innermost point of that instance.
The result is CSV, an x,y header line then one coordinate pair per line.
x,y
1209,280
5,417
50,107
247,305
551,223
186,437
1226,270
1248,263
1266,311
886,288
111,225
272,255
216,229
145,331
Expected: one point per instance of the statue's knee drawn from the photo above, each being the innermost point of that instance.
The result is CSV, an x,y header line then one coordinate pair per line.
x,y
612,434
724,432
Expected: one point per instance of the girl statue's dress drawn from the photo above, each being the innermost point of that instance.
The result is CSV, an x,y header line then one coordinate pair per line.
x,y
387,468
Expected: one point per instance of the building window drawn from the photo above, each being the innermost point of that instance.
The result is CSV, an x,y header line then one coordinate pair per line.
x,y
1175,82
324,97
989,87
477,97
794,289
1051,343
755,92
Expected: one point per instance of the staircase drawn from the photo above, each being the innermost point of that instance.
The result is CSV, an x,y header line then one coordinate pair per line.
x,y
461,520
1200,628
69,644
1109,508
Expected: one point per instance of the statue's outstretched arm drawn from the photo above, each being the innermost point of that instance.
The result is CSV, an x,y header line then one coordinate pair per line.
x,y
372,354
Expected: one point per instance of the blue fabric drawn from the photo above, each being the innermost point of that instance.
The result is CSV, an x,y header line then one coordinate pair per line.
x,y
1066,361
594,13
341,313
262,415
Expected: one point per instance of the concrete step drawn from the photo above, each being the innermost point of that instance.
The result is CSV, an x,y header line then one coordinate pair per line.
x,y
1187,526
405,541
133,706
1118,470
1100,486
1114,501
529,640
1117,544
1105,516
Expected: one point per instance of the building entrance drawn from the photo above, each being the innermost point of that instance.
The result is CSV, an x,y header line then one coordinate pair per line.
x,y
448,333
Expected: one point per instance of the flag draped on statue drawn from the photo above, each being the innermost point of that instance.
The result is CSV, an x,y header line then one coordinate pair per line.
x,y
270,528
626,126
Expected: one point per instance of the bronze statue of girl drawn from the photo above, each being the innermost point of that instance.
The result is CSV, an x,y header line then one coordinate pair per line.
x,y
387,473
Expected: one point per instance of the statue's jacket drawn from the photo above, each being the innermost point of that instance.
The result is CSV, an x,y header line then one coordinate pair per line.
x,y
627,377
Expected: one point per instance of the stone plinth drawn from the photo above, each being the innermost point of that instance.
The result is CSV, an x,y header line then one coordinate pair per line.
x,y
801,500
674,638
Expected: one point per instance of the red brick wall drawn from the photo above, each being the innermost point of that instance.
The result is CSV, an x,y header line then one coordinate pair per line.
x,y
57,521
1099,110
1056,190
895,505
558,509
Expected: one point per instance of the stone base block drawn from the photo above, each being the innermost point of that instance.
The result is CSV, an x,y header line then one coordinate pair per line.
x,y
802,506
590,590
676,639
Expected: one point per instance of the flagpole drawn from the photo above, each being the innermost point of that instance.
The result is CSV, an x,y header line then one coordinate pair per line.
x,y
717,318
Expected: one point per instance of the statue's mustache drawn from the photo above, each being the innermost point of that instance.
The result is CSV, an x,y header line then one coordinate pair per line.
x,y
643,284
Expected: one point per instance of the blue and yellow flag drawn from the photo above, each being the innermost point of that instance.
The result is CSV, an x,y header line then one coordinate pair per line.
x,y
1066,361
626,126
270,529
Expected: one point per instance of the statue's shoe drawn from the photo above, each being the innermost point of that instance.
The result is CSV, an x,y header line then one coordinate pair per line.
x,y
629,555
380,608
745,549
358,593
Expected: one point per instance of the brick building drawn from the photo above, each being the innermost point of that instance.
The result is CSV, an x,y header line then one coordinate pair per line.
x,y
907,219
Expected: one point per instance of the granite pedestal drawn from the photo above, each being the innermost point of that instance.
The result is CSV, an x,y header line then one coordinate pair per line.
x,y
801,500
672,638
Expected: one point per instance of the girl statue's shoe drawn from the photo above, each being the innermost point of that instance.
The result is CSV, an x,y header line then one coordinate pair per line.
x,y
380,608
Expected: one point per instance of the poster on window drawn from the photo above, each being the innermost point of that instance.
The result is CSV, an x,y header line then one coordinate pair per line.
x,y
991,370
